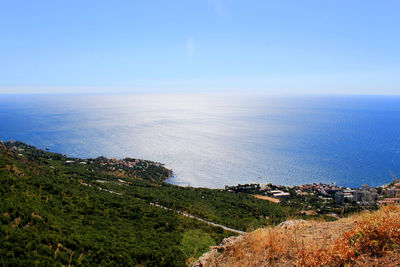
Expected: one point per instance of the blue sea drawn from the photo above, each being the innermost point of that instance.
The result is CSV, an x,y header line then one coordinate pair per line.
x,y
215,140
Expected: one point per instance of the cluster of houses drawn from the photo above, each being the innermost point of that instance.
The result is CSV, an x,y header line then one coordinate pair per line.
x,y
127,162
364,196
114,163
393,193
387,194
317,189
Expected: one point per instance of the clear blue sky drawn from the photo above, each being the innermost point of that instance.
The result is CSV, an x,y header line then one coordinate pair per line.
x,y
150,46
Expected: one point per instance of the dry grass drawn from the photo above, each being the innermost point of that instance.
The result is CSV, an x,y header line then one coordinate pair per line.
x,y
374,235
346,242
261,247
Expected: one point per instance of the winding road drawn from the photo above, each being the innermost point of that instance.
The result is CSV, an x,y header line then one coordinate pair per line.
x,y
199,219
176,211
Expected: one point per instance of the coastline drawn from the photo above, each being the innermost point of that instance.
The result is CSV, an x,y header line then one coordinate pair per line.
x,y
171,176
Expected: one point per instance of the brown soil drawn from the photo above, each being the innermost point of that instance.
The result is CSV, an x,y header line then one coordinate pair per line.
x,y
271,199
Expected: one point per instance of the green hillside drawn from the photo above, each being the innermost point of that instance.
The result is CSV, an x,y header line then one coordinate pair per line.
x,y
56,210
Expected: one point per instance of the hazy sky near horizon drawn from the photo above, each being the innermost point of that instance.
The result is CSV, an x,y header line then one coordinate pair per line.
x,y
295,47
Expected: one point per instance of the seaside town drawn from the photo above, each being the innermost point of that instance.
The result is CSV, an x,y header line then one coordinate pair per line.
x,y
319,198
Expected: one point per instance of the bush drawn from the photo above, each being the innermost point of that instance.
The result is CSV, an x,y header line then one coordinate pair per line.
x,y
375,234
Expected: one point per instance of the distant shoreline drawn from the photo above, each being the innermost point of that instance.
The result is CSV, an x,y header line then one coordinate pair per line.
x,y
171,175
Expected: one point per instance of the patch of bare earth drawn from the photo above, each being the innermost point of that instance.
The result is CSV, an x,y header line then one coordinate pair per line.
x,y
271,199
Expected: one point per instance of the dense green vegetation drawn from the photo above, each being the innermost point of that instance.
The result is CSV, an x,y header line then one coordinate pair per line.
x,y
54,213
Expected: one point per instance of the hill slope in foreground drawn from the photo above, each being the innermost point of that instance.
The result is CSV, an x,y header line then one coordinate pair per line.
x,y
367,239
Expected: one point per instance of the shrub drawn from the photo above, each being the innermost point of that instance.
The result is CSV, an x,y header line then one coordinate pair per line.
x,y
375,234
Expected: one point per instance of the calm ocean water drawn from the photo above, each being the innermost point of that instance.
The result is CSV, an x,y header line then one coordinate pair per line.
x,y
213,140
